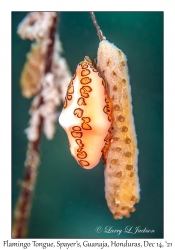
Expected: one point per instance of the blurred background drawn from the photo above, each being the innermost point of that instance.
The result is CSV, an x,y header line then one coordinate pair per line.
x,y
69,202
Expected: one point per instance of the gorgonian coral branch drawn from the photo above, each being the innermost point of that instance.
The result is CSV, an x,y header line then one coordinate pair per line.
x,y
51,74
99,32
122,188
23,207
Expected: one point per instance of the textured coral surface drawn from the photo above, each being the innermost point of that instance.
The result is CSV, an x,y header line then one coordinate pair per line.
x,y
121,180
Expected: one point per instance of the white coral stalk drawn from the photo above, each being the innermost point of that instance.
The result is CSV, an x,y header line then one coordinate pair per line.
x,y
41,27
121,177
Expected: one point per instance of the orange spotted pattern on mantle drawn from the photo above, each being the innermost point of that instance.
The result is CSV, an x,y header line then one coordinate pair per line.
x,y
87,116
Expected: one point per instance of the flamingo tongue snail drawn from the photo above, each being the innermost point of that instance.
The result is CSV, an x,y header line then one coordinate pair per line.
x,y
87,115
